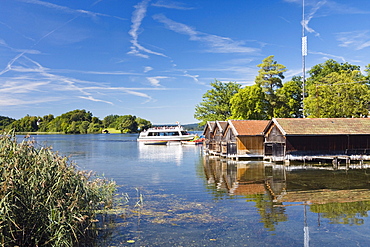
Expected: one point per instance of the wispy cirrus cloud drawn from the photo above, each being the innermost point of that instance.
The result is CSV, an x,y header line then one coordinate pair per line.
x,y
171,5
320,8
215,43
64,9
194,77
28,82
154,81
356,40
147,69
96,100
310,15
137,17
327,56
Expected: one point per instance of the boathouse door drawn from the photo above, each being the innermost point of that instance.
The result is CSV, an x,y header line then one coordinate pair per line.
x,y
274,149
231,148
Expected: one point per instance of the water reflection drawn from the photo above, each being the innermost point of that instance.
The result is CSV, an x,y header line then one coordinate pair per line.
x,y
161,153
341,196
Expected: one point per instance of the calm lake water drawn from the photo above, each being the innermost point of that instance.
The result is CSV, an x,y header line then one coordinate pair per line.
x,y
179,197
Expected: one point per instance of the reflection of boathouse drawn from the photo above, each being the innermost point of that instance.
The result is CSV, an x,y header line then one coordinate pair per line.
x,y
343,196
294,138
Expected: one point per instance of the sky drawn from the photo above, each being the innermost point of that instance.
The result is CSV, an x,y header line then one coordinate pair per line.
x,y
156,58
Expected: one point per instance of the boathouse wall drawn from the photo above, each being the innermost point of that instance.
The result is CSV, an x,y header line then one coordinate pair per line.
x,y
339,144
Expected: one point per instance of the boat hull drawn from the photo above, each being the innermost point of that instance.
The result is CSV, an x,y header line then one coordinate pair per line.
x,y
165,138
155,143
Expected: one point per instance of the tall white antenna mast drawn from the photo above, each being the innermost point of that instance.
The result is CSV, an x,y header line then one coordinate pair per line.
x,y
304,54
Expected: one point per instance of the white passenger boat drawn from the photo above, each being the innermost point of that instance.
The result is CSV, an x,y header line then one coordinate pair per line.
x,y
165,133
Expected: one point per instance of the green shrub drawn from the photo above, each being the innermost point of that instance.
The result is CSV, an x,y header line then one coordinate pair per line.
x,y
44,199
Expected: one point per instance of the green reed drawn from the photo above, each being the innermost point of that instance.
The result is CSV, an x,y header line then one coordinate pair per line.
x,y
44,199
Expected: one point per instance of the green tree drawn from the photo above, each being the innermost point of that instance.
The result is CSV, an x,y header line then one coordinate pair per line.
x,y
321,70
5,121
290,99
143,124
216,102
127,124
338,94
25,124
270,78
249,103
84,126
110,121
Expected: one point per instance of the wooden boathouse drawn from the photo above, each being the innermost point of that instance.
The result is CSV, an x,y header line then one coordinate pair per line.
x,y
244,139
213,133
208,134
315,138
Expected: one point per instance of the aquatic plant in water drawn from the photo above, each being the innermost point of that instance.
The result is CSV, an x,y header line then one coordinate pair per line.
x,y
44,199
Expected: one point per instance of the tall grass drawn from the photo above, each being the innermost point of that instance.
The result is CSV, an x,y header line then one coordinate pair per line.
x,y
44,199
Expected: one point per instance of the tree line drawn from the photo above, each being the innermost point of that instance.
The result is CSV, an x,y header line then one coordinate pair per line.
x,y
75,122
332,90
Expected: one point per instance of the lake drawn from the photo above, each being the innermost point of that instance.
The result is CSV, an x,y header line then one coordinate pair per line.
x,y
176,196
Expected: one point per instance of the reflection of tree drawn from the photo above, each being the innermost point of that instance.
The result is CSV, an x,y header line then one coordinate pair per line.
x,y
270,215
343,213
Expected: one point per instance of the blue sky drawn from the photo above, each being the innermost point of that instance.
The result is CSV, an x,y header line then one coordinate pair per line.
x,y
156,58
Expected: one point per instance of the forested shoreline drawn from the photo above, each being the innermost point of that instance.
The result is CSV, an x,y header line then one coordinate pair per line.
x,y
75,122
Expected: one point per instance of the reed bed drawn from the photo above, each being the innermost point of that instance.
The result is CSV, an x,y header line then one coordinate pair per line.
x,y
45,200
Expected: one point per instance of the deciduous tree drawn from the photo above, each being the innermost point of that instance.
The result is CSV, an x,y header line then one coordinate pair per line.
x,y
216,102
338,94
270,78
249,103
290,99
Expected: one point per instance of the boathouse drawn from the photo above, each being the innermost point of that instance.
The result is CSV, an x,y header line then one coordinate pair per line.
x,y
215,140
299,138
208,134
244,138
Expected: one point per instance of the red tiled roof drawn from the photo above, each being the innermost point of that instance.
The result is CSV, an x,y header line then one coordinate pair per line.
x,y
248,127
323,126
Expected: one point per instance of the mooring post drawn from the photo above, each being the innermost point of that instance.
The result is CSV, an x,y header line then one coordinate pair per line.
x,y
335,163
348,162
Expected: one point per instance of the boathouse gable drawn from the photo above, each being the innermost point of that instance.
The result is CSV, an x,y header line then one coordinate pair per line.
x,y
208,134
213,133
244,138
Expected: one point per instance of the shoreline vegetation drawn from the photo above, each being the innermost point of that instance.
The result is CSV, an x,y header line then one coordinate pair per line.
x,y
74,122
78,122
45,200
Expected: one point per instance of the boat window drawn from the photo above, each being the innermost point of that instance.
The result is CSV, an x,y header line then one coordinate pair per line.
x,y
173,133
153,134
184,133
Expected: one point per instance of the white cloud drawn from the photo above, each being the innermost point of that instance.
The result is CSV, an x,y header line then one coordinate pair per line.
x,y
66,9
96,100
327,56
155,80
310,15
356,40
215,44
147,69
194,77
137,17
170,5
